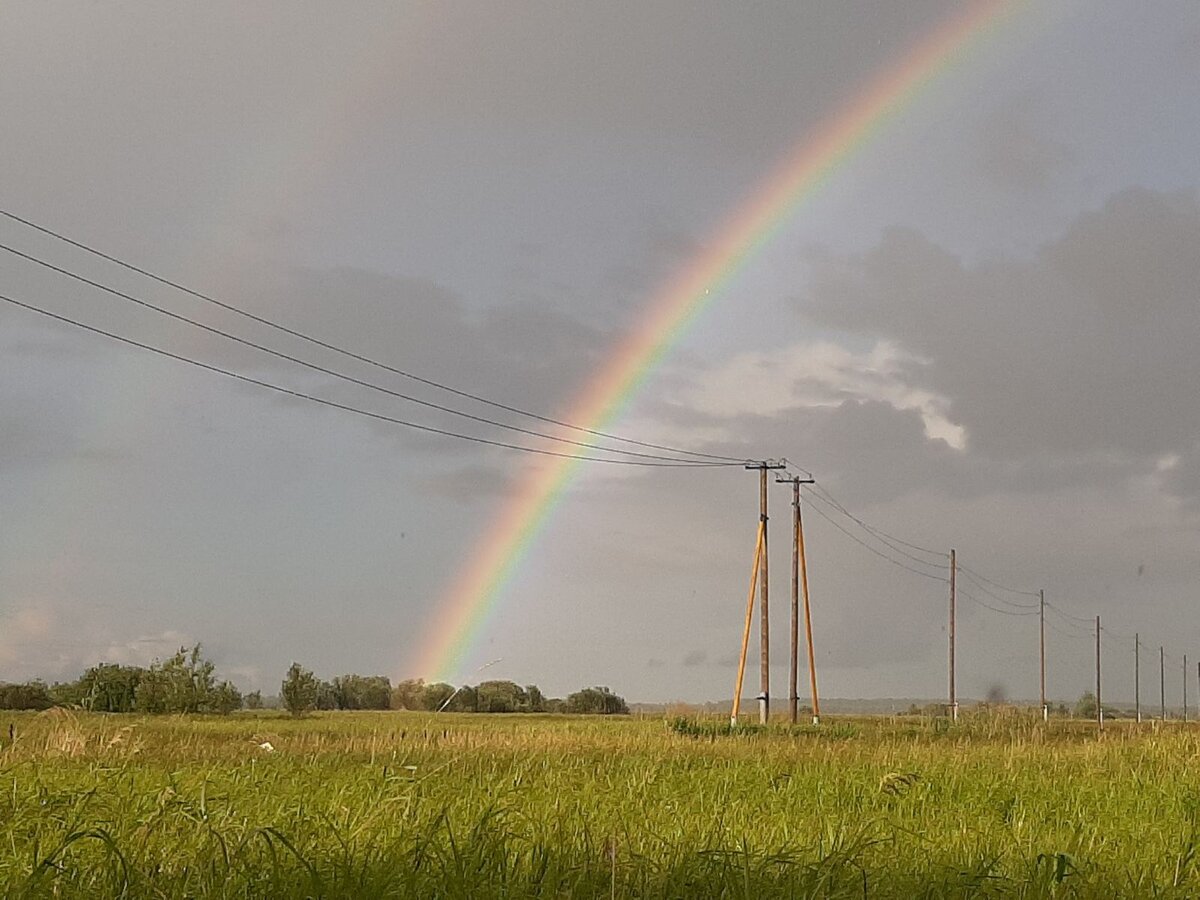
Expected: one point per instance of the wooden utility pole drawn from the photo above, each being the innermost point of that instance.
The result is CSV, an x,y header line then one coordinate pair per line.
x,y
1099,706
737,689
764,626
953,694
1042,623
1137,679
800,580
1162,681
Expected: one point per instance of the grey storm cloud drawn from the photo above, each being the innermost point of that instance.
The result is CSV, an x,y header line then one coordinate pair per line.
x,y
996,349
1016,149
1086,348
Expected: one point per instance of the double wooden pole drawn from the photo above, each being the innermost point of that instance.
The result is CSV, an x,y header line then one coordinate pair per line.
x,y
953,610
1137,677
1099,706
799,585
760,573
1162,681
1042,654
759,578
741,672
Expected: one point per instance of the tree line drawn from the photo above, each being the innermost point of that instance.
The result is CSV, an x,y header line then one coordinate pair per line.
x,y
186,682
302,691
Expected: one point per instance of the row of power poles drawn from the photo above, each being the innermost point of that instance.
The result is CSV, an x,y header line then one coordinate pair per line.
x,y
1137,681
760,585
760,582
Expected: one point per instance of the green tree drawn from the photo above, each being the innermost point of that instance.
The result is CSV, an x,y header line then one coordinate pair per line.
x,y
500,697
298,693
225,698
596,701
434,695
362,692
409,694
537,700
1085,706
184,683
326,695
466,700
107,687
254,700
30,695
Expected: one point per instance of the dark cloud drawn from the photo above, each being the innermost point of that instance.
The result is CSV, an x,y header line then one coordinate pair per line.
x,y
695,658
468,483
1017,151
664,72
1085,350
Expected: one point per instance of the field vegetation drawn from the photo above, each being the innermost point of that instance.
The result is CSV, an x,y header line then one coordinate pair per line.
x,y
410,804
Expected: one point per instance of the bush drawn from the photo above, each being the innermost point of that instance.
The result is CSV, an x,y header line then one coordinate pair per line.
x,y
596,701
298,693
30,695
185,683
362,692
107,687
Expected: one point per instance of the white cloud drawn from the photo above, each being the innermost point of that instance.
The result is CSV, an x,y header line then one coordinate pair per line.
x,y
142,650
822,374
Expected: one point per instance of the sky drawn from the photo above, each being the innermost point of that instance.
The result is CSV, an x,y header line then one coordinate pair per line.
x,y
980,333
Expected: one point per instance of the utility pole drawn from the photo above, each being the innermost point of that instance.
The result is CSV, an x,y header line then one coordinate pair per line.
x,y
1042,623
1185,674
1137,679
764,627
800,580
953,695
741,672
1099,706
1162,681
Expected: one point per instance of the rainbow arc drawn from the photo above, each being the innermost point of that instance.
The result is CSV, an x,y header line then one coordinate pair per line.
x,y
462,614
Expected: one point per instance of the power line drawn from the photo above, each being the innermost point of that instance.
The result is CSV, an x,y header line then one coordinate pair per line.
x,y
874,550
353,409
880,533
872,532
1001,587
357,356
995,609
1077,635
318,368
982,587
1067,615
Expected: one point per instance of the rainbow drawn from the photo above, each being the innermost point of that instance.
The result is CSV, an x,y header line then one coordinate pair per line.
x,y
462,614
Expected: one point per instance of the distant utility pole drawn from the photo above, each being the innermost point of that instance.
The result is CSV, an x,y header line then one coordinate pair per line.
x,y
1162,681
1185,674
764,628
800,580
1137,679
1042,624
1099,706
953,694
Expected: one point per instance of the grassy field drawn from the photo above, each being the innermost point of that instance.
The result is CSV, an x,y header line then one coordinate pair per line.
x,y
416,805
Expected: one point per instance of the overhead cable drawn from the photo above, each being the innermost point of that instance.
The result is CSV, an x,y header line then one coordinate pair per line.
x,y
429,382
346,407
322,369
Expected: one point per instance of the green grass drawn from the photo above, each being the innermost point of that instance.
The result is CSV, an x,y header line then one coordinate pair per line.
x,y
416,805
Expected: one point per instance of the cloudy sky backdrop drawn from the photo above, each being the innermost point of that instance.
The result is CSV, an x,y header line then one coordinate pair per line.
x,y
982,333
